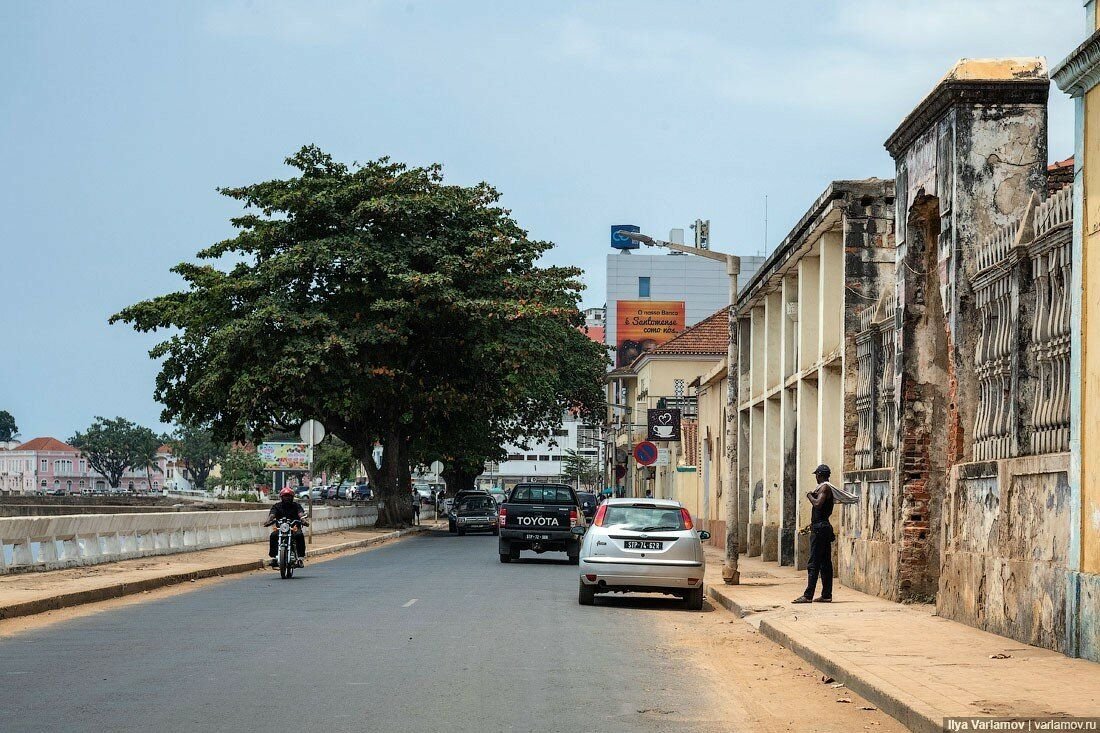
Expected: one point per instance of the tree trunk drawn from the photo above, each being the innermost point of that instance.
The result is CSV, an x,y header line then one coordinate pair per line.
x,y
391,481
462,475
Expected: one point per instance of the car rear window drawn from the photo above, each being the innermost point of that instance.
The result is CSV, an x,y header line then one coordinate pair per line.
x,y
643,518
477,502
542,495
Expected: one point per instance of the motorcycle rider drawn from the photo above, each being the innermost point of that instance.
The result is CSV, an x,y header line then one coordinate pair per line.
x,y
286,508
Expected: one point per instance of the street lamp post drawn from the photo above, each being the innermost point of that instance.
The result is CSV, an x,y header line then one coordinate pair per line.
x,y
730,573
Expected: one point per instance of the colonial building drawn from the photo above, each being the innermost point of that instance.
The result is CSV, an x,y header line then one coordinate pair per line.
x,y
915,335
49,465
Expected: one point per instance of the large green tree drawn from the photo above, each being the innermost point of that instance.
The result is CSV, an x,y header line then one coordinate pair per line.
x,y
241,469
114,446
336,458
8,428
394,308
199,450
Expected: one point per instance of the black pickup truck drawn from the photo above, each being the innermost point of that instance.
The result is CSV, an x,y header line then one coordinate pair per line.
x,y
539,517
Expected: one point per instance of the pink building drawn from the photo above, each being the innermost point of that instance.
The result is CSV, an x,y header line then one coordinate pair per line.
x,y
48,464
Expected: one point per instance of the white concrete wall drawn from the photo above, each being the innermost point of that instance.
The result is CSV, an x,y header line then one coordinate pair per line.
x,y
50,543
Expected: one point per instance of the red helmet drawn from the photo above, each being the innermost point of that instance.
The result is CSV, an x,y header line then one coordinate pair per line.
x,y
287,492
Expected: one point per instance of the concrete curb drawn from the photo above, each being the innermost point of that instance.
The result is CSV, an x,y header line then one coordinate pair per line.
x,y
906,709
105,593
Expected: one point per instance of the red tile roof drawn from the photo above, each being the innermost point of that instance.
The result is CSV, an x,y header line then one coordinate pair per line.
x,y
47,444
708,337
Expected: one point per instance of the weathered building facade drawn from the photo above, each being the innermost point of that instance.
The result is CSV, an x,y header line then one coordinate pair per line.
x,y
915,335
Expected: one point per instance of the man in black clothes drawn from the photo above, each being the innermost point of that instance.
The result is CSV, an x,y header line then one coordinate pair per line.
x,y
286,508
821,539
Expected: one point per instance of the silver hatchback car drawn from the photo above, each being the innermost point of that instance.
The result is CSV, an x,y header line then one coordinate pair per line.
x,y
642,546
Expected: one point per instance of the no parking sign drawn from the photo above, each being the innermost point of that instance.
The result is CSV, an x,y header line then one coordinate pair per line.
x,y
645,453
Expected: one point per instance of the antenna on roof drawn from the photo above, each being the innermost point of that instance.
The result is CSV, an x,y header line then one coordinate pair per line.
x,y
764,246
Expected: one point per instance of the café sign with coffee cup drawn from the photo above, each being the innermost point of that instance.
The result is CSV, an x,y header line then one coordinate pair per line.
x,y
664,424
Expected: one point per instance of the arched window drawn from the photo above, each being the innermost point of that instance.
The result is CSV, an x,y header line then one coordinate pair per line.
x,y
56,484
156,485
81,484
44,483
69,487
131,486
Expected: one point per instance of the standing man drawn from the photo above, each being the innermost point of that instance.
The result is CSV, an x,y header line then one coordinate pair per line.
x,y
415,497
821,539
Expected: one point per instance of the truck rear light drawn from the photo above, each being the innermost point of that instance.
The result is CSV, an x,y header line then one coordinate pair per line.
x,y
597,521
502,516
572,517
687,518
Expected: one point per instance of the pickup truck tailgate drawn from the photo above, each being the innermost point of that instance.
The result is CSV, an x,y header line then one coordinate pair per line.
x,y
546,517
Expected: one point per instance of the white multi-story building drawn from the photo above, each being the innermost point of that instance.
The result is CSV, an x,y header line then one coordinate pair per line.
x,y
542,461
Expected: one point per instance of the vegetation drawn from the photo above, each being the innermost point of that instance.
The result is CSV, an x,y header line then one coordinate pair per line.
x,y
396,309
580,469
198,450
116,446
8,428
241,470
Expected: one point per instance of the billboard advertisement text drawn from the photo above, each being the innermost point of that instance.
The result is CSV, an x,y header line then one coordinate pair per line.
x,y
643,325
284,456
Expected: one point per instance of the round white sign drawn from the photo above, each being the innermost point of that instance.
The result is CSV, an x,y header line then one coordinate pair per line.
x,y
437,467
312,429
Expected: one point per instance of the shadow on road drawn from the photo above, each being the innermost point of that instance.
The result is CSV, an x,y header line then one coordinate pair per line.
x,y
648,603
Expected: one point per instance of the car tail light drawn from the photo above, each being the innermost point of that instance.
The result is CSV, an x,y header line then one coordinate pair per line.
x,y
572,517
503,516
597,521
692,581
590,576
687,518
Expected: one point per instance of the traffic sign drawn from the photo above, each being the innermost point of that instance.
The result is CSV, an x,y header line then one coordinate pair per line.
x,y
645,453
312,432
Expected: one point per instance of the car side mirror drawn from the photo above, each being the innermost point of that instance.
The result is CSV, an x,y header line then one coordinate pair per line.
x,y
704,535
579,531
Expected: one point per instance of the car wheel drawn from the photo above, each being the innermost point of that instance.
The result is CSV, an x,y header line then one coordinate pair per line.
x,y
586,594
505,557
574,559
514,553
451,527
496,533
694,598
461,533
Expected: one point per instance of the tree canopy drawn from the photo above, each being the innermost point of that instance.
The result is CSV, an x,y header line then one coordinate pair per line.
x,y
199,451
114,446
8,428
241,469
393,307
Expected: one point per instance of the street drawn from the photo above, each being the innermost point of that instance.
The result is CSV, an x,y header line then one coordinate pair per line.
x,y
429,633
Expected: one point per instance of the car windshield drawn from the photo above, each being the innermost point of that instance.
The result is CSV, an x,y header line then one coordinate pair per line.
x,y
478,502
542,495
643,518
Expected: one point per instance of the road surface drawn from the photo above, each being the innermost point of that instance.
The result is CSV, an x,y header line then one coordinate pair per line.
x,y
428,634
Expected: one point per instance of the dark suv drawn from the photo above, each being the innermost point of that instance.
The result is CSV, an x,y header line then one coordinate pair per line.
x,y
540,517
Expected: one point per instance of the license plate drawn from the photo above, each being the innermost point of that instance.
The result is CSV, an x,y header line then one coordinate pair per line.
x,y
537,536
642,545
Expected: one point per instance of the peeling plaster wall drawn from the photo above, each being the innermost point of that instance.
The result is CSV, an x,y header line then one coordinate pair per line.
x,y
1006,531
866,543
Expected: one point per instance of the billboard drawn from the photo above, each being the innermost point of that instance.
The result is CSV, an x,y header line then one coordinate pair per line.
x,y
284,456
643,325
618,241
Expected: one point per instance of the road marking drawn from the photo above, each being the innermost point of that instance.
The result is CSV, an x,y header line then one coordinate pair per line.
x,y
414,600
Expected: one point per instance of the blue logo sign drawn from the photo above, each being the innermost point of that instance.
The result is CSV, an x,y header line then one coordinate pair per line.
x,y
618,241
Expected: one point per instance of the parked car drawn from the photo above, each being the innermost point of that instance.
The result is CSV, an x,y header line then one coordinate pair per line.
x,y
425,493
642,546
452,524
540,517
330,491
588,503
360,492
302,494
343,489
476,513
317,493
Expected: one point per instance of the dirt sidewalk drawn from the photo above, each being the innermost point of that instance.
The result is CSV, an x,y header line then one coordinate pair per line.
x,y
912,664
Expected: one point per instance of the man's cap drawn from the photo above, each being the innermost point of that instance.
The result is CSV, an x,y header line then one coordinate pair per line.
x,y
823,469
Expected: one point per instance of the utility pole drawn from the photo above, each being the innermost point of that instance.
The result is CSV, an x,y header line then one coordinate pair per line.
x,y
730,573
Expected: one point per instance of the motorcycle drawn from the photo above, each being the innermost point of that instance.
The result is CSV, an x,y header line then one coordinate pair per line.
x,y
287,557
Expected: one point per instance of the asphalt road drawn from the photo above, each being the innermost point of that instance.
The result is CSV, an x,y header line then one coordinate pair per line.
x,y
431,633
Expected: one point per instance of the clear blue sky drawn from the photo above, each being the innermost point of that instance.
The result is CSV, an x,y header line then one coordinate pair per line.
x,y
118,120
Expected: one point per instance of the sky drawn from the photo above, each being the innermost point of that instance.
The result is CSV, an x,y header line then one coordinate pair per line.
x,y
118,120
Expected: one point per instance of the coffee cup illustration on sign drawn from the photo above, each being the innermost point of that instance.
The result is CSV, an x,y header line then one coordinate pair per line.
x,y
664,424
